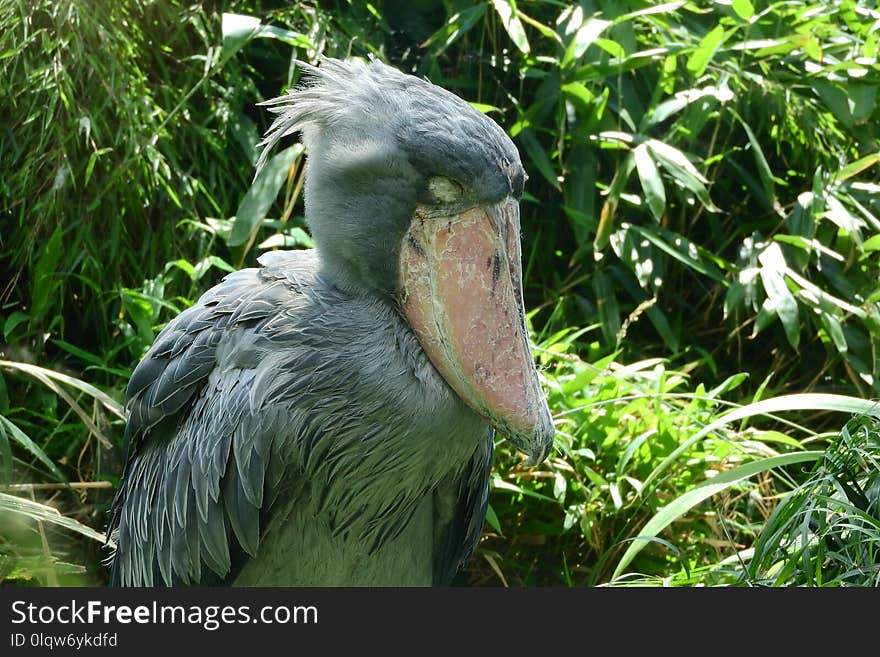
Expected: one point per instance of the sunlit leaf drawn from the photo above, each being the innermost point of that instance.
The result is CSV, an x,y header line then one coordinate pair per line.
x,y
857,167
484,108
652,184
743,9
237,30
820,296
700,58
45,373
662,8
500,484
609,208
457,26
780,301
808,245
685,98
585,36
835,331
795,402
583,97
682,170
730,383
611,47
838,213
506,10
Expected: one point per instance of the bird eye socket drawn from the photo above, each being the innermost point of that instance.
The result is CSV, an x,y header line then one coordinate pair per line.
x,y
444,189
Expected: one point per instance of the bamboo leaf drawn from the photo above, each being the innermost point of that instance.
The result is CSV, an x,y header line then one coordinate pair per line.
x,y
764,172
683,171
582,97
685,98
492,519
611,47
506,10
663,8
607,306
12,321
835,331
607,215
500,484
5,458
237,30
456,27
681,249
780,301
261,195
743,9
585,36
855,168
700,58
652,184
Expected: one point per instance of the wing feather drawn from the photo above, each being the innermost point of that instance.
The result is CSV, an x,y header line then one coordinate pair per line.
x,y
461,511
191,496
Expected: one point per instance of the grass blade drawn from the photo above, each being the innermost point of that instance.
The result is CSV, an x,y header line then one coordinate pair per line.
x,y
678,507
9,430
42,373
43,513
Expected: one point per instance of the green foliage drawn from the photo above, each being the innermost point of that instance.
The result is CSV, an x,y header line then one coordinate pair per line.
x,y
718,159
708,167
639,449
827,531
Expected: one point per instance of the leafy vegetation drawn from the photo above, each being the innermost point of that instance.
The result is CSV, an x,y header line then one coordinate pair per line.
x,y
827,531
703,206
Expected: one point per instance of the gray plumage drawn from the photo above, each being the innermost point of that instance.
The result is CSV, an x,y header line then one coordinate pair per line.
x,y
288,429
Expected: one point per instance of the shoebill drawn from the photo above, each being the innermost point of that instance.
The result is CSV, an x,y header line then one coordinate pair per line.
x,y
327,418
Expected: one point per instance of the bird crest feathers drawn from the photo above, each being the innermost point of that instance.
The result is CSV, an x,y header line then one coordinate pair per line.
x,y
330,94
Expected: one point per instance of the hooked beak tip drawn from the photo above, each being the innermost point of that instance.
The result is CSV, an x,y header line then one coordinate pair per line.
x,y
537,443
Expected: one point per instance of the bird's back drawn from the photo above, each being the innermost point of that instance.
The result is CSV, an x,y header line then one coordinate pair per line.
x,y
285,432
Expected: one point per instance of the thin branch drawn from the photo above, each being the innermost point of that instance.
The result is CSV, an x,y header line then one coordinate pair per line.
x,y
80,485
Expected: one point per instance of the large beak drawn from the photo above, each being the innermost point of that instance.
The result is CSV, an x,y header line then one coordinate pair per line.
x,y
461,277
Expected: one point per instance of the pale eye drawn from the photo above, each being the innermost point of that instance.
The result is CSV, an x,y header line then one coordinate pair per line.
x,y
444,189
